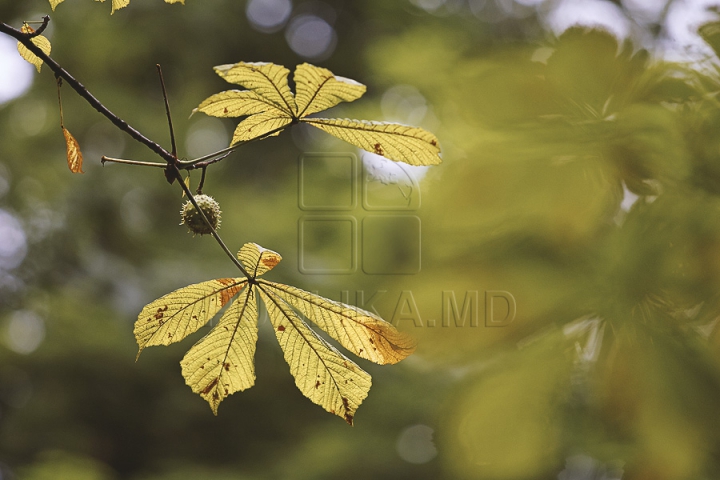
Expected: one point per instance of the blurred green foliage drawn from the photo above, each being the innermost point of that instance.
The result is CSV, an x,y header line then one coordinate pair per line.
x,y
610,364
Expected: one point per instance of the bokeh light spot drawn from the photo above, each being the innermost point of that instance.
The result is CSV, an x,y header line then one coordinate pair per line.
x,y
16,75
13,246
268,15
415,444
24,332
311,37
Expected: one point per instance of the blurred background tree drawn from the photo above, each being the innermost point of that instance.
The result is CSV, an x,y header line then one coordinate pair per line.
x,y
581,174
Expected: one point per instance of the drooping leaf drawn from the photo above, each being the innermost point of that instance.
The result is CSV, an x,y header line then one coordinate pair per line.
x,y
176,315
74,155
317,89
222,363
411,145
41,42
361,332
322,374
266,79
258,260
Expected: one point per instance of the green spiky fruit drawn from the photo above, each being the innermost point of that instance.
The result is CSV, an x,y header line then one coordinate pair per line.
x,y
194,220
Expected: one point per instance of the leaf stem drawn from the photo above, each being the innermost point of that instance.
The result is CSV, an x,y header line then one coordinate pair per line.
x,y
209,159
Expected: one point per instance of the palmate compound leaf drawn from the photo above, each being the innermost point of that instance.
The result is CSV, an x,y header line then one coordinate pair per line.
x,y
271,107
41,42
222,362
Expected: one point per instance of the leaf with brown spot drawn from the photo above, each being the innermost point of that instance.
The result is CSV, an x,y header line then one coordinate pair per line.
x,y
258,260
184,311
222,363
401,143
363,333
270,107
74,155
230,346
319,369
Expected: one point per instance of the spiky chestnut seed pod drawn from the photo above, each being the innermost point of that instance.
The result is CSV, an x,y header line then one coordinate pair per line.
x,y
194,220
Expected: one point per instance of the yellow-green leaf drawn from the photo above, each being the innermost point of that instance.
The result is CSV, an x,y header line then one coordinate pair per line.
x,y
258,260
222,362
55,3
317,89
235,103
322,374
176,315
266,79
263,124
401,143
363,333
117,4
41,42
74,155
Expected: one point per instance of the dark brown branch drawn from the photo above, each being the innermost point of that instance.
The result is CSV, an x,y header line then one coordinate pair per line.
x,y
60,72
40,29
171,170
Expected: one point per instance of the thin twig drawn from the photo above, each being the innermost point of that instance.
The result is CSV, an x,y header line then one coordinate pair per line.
x,y
104,159
41,29
167,111
84,93
202,181
209,159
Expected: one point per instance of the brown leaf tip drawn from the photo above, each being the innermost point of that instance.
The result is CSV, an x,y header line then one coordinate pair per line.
x,y
270,262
